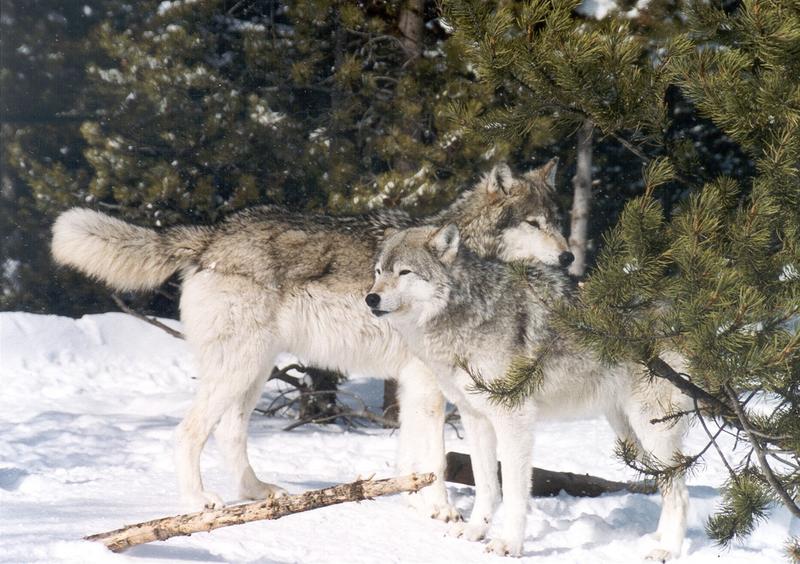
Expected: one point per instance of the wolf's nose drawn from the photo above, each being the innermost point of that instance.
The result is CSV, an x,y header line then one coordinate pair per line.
x,y
564,259
373,300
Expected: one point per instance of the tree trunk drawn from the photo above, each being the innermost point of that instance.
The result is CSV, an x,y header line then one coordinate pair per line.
x,y
546,483
273,508
391,406
582,184
412,26
338,101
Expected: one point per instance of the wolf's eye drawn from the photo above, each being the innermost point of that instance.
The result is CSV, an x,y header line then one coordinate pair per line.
x,y
378,271
403,272
534,223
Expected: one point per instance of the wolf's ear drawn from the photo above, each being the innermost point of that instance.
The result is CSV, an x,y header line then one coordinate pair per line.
x,y
389,231
545,173
499,179
444,243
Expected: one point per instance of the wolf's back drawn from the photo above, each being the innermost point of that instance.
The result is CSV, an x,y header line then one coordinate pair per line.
x,y
124,256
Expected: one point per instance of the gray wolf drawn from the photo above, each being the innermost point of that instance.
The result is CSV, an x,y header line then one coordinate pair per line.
x,y
464,316
267,280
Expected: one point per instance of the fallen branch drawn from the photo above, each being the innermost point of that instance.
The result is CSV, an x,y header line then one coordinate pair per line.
x,y
273,508
547,483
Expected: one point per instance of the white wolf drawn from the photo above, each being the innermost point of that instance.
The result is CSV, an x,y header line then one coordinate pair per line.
x,y
268,280
464,316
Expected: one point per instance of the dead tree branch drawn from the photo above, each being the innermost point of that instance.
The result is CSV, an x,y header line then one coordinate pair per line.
x,y
787,500
282,374
151,320
273,508
661,369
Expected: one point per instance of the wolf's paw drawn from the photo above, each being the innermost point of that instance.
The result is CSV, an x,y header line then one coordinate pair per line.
x,y
435,508
261,490
659,555
202,500
469,531
504,547
446,513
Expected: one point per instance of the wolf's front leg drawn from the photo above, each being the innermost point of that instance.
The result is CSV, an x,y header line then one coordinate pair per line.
x,y
481,439
421,444
514,432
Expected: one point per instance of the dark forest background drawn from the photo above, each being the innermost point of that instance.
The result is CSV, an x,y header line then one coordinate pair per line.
x,y
180,112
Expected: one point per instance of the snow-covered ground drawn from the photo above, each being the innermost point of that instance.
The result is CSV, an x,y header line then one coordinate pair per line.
x,y
87,413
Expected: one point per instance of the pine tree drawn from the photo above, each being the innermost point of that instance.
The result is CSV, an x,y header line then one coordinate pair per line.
x,y
212,106
188,111
44,47
717,278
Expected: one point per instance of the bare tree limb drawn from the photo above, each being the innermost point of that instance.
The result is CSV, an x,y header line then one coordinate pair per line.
x,y
151,320
349,414
272,508
713,439
282,374
663,370
787,500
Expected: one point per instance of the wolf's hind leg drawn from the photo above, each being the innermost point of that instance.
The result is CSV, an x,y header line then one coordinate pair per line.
x,y
660,442
421,442
231,436
224,380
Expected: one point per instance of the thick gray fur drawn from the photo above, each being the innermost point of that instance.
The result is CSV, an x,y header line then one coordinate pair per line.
x,y
468,317
269,280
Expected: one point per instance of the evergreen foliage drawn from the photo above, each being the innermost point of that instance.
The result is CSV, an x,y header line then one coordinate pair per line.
x,y
524,377
44,48
716,279
174,112
209,107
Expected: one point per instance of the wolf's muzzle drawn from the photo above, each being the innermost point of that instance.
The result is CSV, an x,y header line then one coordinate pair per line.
x,y
564,259
373,301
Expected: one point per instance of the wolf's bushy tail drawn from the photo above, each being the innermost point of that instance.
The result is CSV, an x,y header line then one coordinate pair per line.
x,y
124,256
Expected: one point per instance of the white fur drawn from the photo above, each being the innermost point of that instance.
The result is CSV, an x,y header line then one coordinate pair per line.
x,y
236,327
545,242
110,250
495,433
236,330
